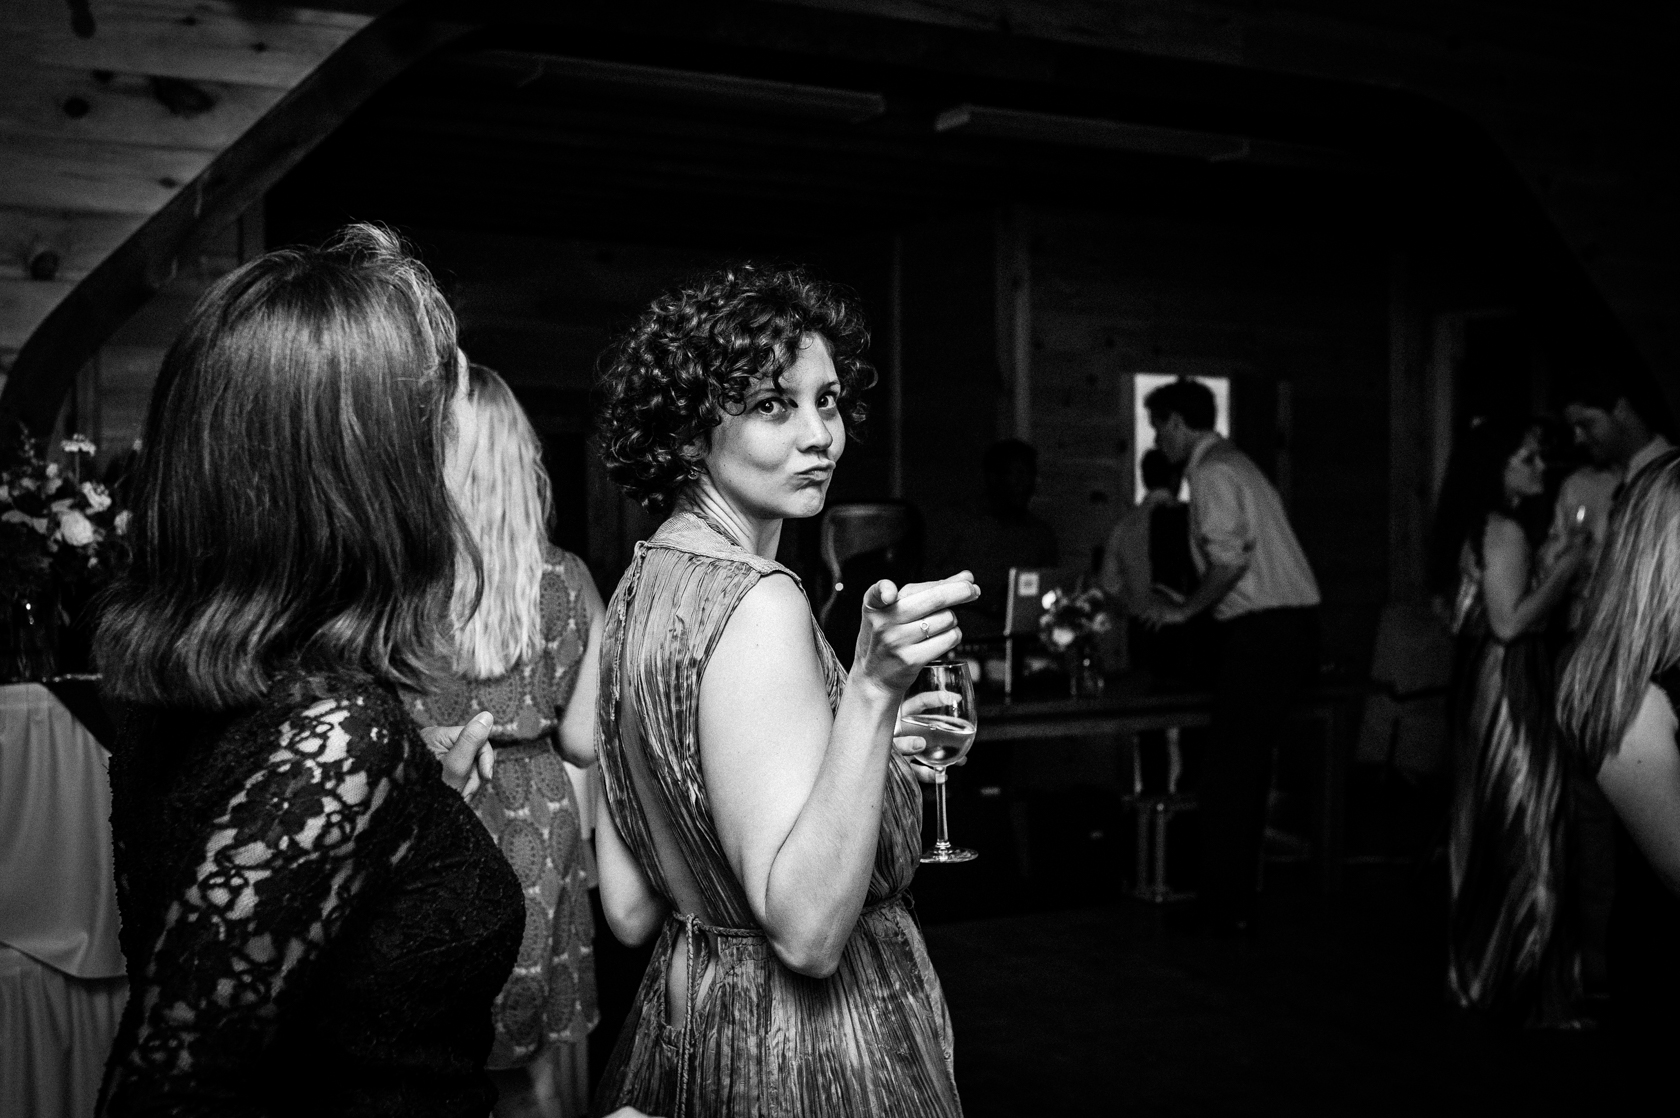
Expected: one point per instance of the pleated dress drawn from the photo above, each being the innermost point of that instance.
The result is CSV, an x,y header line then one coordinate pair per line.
x,y
874,1038
1511,950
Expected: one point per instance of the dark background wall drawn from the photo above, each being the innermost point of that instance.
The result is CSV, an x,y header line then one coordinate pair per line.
x,y
1370,266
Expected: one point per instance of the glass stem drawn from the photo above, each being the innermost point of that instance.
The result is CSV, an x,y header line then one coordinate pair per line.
x,y
942,839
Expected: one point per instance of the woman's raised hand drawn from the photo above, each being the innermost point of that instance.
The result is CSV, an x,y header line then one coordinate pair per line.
x,y
465,752
905,628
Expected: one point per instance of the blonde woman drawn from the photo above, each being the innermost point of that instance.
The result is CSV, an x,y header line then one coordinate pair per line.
x,y
1617,705
526,650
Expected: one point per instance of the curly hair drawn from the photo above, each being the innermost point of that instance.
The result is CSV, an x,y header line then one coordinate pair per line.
x,y
695,354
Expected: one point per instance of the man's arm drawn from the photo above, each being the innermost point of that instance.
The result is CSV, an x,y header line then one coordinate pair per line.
x,y
1223,533
1220,580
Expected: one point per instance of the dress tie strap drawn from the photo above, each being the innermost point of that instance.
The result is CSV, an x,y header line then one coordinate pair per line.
x,y
685,1051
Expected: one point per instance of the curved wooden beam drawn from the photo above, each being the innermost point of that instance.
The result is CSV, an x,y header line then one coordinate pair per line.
x,y
119,285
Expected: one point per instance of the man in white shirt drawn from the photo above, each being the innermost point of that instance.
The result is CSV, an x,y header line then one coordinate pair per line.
x,y
1259,588
1620,440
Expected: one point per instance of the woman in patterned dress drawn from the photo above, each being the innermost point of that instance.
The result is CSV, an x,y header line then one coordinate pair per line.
x,y
760,820
526,651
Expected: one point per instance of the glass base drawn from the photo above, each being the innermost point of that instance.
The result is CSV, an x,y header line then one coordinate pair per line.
x,y
945,852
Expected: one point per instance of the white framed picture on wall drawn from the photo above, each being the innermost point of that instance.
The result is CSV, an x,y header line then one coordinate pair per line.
x,y
1143,435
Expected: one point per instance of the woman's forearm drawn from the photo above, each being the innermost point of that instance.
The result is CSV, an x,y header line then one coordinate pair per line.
x,y
633,909
820,876
1532,608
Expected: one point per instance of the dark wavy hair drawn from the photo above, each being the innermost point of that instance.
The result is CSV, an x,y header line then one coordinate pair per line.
x,y
1488,446
290,507
694,355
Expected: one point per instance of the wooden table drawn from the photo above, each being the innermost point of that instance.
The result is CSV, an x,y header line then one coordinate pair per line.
x,y
1131,705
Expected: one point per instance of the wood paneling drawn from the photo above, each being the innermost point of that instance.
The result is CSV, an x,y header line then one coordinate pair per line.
x,y
82,176
271,45
79,240
58,103
24,302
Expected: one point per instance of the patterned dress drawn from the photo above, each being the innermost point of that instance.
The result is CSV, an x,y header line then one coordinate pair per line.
x,y
757,1038
531,812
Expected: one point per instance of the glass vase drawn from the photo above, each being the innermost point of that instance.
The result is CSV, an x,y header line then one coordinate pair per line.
x,y
1085,673
32,634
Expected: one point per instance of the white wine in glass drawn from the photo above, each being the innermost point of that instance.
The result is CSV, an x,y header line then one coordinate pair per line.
x,y
939,709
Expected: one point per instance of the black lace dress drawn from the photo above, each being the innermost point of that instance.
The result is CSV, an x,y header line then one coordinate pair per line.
x,y
314,922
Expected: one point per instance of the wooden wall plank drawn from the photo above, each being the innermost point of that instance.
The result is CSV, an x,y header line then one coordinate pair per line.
x,y
23,303
271,45
124,110
63,175
81,240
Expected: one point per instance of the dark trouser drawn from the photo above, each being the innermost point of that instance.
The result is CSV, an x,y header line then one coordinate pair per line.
x,y
1262,660
1592,874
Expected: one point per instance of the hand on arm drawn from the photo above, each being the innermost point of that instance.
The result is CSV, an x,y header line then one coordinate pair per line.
x,y
1642,781
796,791
465,752
1514,609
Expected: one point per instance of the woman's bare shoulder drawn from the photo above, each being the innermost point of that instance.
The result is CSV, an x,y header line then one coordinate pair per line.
x,y
1503,534
774,605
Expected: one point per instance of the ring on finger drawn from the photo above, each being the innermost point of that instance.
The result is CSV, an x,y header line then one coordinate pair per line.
x,y
924,630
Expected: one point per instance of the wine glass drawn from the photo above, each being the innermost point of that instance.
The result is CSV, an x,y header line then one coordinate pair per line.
x,y
939,709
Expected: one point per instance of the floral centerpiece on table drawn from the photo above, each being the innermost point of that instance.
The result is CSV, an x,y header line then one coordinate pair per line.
x,y
62,538
1070,626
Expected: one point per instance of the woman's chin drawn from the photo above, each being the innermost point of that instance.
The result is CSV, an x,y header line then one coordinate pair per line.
x,y
805,505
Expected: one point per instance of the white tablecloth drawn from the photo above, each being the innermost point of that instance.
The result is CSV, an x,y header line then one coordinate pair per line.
x,y
61,988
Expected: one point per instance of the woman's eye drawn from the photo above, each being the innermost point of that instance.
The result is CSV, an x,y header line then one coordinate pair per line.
x,y
828,400
768,406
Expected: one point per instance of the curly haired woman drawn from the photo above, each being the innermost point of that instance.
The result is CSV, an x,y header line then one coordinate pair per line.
x,y
759,818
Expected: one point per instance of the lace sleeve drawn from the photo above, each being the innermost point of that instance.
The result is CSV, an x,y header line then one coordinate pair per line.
x,y
276,875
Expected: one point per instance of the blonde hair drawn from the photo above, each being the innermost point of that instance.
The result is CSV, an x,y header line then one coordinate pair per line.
x,y
1632,621
503,493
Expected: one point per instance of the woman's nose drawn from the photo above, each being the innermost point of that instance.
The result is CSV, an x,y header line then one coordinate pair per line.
x,y
814,433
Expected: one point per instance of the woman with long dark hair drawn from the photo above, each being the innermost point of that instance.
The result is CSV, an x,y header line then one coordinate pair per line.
x,y
1617,703
761,822
314,922
1509,950
527,644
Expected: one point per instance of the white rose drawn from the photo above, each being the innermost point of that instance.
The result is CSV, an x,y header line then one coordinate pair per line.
x,y
75,529
1061,637
98,500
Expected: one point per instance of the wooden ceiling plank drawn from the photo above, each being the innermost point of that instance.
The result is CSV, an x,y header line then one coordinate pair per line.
x,y
62,103
197,40
79,241
59,175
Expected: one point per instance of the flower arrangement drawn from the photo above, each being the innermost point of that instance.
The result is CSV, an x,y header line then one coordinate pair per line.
x,y
57,531
1070,626
1073,621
